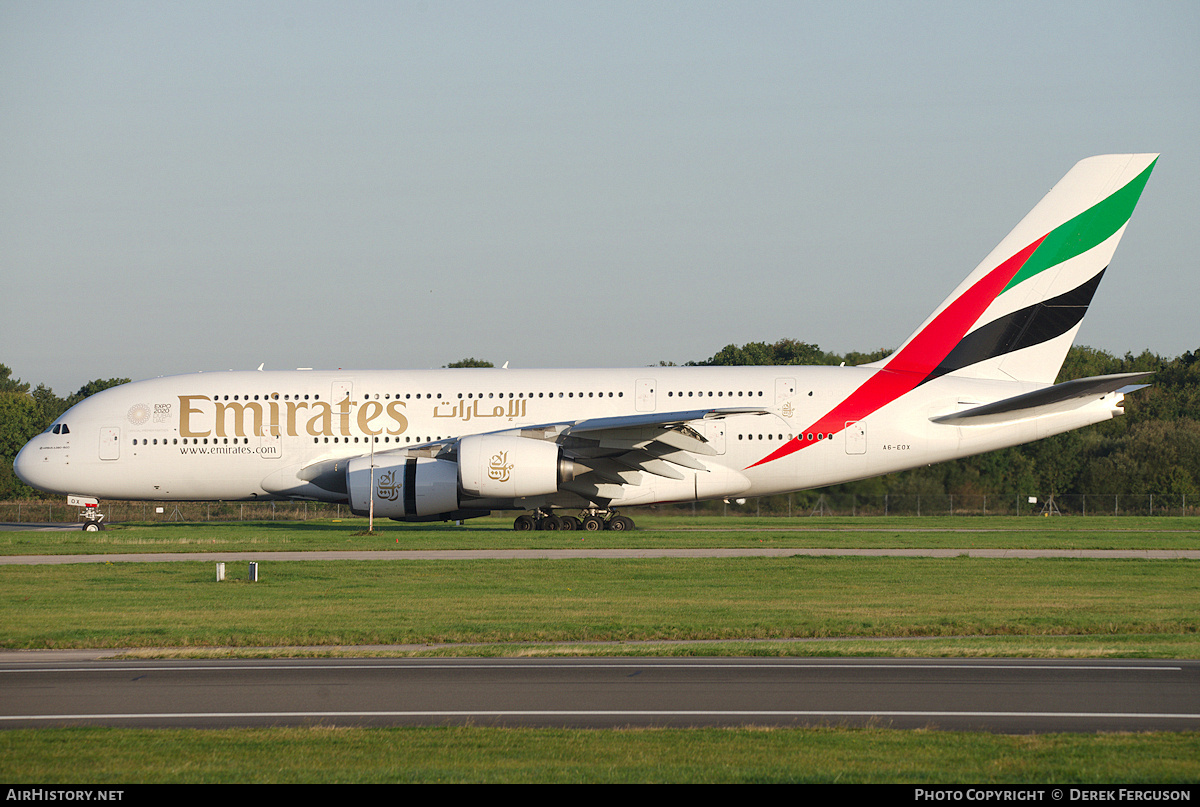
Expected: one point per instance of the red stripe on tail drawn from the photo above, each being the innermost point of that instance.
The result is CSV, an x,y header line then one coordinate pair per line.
x,y
912,365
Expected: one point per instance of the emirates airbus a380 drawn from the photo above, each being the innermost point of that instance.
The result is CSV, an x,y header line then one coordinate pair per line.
x,y
435,445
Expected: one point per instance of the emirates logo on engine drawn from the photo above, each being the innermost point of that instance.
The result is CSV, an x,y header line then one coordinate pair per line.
x,y
388,488
499,467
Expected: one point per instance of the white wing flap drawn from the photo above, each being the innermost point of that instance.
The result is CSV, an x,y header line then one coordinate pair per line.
x,y
619,450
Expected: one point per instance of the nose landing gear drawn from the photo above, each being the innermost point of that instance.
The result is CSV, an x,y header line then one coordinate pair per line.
x,y
93,519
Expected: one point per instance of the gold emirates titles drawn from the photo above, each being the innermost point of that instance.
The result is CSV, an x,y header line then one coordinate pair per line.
x,y
317,418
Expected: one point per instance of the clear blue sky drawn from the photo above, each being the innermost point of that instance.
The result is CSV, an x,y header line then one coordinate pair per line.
x,y
215,185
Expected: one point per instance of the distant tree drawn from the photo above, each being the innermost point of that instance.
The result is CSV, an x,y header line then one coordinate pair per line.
x,y
470,363
790,351
1083,361
49,405
20,420
92,387
855,358
785,351
8,384
1155,447
782,353
24,415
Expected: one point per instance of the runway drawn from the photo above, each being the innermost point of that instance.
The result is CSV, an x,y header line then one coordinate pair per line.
x,y
1010,696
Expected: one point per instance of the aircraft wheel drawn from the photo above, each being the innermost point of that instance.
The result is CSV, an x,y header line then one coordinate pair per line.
x,y
523,524
620,524
570,523
593,524
92,526
551,523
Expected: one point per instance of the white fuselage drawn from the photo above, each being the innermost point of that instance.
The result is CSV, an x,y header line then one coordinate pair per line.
x,y
251,435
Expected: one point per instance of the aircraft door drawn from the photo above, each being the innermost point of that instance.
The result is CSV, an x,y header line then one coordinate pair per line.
x,y
341,391
784,388
110,443
270,439
714,432
856,437
270,444
643,395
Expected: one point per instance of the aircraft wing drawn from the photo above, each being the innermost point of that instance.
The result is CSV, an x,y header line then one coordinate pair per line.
x,y
607,454
1032,404
658,419
618,450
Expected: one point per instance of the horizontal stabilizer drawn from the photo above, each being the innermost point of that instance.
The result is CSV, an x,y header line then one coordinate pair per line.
x,y
1023,406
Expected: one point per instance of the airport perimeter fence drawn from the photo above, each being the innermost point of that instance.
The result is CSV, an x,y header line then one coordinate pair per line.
x,y
808,504
817,503
57,512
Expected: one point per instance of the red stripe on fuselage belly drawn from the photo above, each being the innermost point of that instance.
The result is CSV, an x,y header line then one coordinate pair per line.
x,y
906,370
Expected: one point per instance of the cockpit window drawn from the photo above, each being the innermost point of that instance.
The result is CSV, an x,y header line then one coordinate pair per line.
x,y
60,428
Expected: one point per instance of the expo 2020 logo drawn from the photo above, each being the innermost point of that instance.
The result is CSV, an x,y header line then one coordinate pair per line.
x,y
139,414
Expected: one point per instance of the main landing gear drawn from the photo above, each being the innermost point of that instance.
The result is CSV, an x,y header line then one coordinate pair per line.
x,y
588,521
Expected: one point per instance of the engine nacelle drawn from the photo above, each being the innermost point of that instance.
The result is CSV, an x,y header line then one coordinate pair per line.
x,y
506,466
403,486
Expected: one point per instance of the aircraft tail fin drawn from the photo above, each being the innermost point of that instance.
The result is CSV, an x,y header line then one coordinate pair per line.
x,y
1017,314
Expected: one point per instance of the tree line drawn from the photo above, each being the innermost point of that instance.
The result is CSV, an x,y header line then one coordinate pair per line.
x,y
1153,449
25,412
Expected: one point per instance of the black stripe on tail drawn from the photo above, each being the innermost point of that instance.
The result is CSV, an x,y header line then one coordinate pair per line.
x,y
1021,329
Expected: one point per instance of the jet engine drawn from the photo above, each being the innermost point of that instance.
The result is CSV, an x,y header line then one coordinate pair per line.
x,y
499,468
403,486
507,466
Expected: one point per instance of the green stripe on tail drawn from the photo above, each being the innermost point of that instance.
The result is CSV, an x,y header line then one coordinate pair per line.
x,y
1089,228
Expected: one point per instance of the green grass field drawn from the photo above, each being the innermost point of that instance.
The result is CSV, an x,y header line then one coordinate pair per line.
x,y
702,606
461,755
1000,532
498,603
